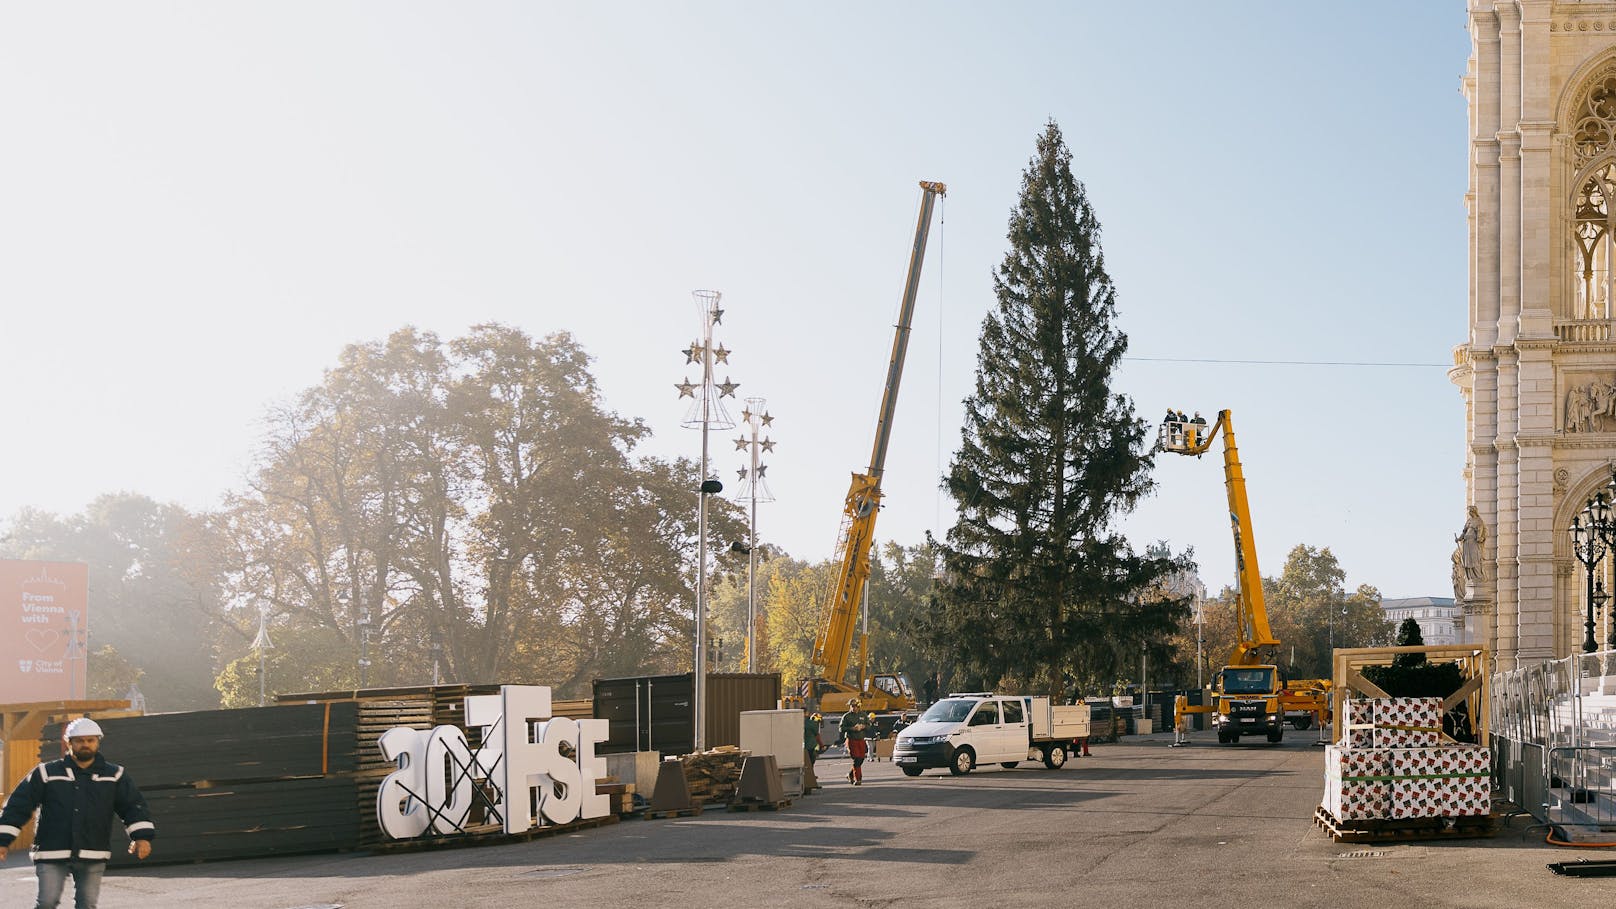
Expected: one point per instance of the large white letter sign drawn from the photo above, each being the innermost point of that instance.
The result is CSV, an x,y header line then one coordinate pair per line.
x,y
399,810
544,769
524,769
592,768
448,779
560,797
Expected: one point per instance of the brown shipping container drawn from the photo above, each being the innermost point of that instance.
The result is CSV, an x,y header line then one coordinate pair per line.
x,y
655,713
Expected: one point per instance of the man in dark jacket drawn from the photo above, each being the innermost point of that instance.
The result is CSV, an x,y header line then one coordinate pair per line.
x,y
76,798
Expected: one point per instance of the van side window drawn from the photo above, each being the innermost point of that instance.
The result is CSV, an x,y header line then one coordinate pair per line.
x,y
1012,712
987,714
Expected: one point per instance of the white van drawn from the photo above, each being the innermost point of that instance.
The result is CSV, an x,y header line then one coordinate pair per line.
x,y
963,731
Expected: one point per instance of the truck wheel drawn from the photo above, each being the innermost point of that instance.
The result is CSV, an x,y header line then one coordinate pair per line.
x,y
964,762
1010,765
1305,722
1055,757
1223,737
1275,735
911,771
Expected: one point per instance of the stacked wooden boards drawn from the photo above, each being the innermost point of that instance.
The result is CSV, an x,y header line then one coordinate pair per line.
x,y
229,783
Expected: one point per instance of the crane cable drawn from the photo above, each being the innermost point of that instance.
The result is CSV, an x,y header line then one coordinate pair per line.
x,y
942,272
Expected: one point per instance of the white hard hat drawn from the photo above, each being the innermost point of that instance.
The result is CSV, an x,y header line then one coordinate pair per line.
x,y
81,726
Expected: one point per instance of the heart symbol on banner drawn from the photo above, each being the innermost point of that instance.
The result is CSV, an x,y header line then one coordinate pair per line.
x,y
42,638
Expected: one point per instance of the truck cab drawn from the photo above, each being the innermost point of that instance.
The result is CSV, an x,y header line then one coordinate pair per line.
x,y
1247,703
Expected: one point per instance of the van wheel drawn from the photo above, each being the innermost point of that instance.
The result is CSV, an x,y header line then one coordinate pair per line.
x,y
964,762
911,771
1055,757
1009,765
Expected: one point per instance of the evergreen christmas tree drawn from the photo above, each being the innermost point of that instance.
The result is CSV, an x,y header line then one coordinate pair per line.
x,y
1037,586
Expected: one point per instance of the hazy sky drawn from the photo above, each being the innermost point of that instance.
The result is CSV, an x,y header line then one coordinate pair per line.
x,y
201,203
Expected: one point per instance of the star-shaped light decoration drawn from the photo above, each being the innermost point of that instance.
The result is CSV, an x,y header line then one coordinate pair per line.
x,y
718,316
762,469
686,389
726,388
746,415
721,355
767,419
742,474
768,444
740,443
693,353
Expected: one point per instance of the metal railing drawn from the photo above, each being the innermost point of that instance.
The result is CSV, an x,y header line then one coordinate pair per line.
x,y
1554,739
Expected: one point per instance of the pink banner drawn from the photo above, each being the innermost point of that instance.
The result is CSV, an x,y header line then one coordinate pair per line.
x,y
44,624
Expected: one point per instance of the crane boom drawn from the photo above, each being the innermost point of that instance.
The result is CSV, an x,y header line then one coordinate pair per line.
x,y
1252,611
834,645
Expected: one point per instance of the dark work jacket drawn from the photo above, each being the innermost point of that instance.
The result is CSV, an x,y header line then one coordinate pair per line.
x,y
75,810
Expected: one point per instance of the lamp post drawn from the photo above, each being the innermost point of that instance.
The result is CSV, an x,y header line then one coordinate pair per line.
x,y
754,489
263,645
706,413
364,645
1589,530
437,657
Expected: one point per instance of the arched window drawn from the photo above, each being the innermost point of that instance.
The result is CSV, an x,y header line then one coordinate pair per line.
x,y
1593,137
1592,230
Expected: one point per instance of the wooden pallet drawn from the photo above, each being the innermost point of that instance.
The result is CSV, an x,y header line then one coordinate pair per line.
x,y
761,806
692,811
487,835
1406,830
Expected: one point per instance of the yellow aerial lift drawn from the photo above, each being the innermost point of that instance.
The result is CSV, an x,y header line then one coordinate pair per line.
x,y
1250,697
828,690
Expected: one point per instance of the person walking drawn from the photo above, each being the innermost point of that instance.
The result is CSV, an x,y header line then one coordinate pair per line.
x,y
76,798
810,735
855,727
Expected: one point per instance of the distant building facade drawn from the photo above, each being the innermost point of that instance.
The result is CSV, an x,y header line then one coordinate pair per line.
x,y
1441,619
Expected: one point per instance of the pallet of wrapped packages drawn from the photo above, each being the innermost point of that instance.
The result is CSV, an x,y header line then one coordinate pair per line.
x,y
1449,782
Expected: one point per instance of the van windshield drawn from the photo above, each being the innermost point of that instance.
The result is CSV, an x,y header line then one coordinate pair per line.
x,y
948,710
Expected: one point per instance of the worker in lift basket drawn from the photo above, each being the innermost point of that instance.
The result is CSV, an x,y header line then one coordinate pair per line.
x,y
855,727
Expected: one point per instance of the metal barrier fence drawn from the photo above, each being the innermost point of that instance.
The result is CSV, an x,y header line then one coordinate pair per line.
x,y
1554,740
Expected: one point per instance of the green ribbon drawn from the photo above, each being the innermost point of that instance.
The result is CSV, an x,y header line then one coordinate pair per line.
x,y
1480,774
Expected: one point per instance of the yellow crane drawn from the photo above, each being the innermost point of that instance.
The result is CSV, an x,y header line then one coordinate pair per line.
x,y
828,690
1250,696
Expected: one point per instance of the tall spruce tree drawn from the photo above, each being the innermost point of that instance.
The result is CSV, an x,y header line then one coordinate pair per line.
x,y
1037,586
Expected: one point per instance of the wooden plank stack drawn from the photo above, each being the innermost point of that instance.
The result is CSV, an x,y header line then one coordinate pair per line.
x,y
230,783
713,774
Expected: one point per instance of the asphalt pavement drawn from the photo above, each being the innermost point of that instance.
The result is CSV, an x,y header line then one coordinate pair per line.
x,y
1137,824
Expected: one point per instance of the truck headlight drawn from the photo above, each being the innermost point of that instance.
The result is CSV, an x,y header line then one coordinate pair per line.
x,y
1272,716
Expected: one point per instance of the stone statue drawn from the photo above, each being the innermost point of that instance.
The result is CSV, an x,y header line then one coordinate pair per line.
x,y
1470,541
1458,577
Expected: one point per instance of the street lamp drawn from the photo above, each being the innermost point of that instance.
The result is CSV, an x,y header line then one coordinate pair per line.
x,y
263,645
1589,530
437,657
706,413
364,645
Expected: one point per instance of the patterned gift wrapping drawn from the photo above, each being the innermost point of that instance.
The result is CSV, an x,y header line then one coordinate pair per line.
x,y
1439,782
1358,712
1355,785
1407,722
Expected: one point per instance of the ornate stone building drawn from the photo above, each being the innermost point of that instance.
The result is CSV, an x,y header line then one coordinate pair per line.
x,y
1538,371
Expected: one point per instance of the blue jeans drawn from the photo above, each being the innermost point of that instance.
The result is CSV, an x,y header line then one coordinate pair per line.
x,y
53,878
